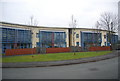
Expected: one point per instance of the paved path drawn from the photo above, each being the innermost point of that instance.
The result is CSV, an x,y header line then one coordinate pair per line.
x,y
105,69
65,62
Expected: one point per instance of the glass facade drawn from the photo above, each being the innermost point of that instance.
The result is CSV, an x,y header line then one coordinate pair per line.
x,y
114,39
50,39
90,39
15,38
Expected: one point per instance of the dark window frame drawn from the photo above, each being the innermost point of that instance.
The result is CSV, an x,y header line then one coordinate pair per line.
x,y
77,35
37,35
77,43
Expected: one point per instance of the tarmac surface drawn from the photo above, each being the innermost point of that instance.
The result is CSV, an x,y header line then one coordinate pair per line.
x,y
59,63
104,69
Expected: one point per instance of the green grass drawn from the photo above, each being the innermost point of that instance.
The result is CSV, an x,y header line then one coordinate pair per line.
x,y
53,57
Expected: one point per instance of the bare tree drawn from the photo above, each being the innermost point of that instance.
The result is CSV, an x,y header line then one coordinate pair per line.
x,y
73,25
33,22
108,21
97,31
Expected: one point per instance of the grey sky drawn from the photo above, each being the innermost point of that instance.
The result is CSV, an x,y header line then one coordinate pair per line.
x,y
56,12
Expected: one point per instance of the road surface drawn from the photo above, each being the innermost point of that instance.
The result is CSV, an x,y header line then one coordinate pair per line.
x,y
105,69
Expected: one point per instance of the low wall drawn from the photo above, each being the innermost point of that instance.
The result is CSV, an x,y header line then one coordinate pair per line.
x,y
99,48
57,50
9,52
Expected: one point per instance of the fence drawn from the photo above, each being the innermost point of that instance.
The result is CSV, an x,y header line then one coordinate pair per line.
x,y
75,49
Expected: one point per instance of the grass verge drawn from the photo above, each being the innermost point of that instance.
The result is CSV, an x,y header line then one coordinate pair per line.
x,y
52,57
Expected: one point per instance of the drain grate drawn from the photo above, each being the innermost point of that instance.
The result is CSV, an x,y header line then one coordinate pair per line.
x,y
93,69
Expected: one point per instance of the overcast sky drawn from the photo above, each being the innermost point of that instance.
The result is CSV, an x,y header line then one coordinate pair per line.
x,y
56,13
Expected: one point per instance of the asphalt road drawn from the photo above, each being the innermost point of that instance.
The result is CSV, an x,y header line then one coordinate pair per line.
x,y
105,69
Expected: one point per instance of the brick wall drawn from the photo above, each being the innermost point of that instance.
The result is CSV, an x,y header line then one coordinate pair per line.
x,y
9,52
57,50
20,51
99,48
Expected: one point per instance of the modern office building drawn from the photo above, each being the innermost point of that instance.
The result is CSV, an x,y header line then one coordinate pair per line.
x,y
15,36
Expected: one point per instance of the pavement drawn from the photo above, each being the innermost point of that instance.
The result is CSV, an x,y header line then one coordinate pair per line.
x,y
59,63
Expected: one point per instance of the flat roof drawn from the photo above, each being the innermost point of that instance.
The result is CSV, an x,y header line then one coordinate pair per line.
x,y
3,23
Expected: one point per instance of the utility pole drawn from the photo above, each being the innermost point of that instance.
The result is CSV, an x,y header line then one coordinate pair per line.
x,y
111,36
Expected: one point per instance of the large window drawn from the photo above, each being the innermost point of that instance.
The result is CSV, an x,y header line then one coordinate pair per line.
x,y
50,39
114,39
15,38
90,39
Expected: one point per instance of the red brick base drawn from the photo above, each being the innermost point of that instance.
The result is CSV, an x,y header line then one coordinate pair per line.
x,y
57,50
99,48
20,51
